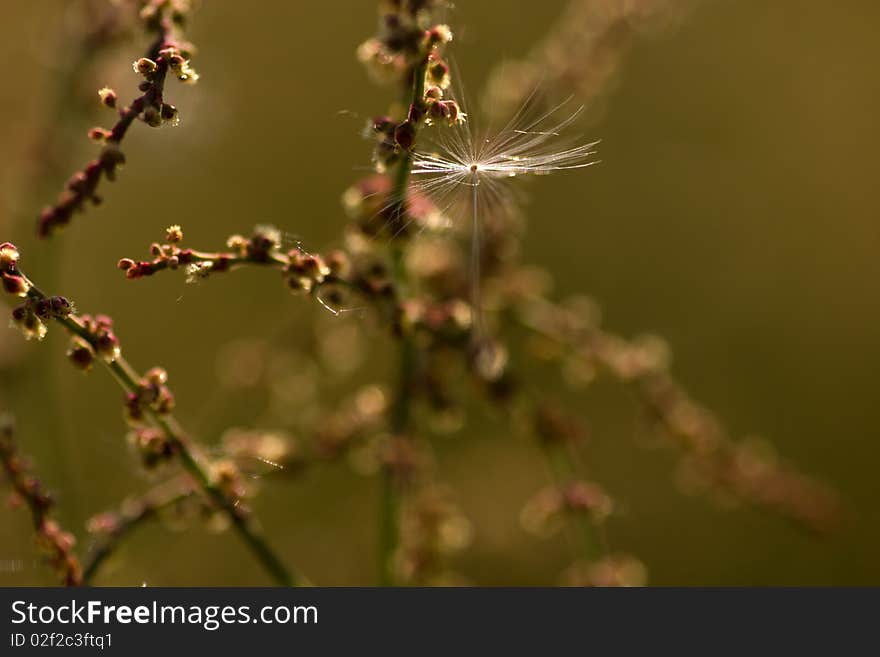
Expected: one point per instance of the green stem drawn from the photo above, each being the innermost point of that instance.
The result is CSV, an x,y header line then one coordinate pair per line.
x,y
168,425
128,379
389,516
146,508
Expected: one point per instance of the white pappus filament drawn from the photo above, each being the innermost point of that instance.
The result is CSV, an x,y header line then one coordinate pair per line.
x,y
459,161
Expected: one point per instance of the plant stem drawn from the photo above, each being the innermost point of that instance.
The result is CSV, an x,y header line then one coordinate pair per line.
x,y
244,525
61,123
389,509
128,379
145,508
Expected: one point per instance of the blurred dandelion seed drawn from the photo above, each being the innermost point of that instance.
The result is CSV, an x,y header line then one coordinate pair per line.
x,y
467,173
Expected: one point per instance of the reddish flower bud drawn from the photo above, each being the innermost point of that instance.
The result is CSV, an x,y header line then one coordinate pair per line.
x,y
405,135
80,353
8,257
168,112
384,125
438,35
108,97
416,113
60,307
156,376
164,402
174,234
99,135
42,308
14,284
145,66
438,74
107,345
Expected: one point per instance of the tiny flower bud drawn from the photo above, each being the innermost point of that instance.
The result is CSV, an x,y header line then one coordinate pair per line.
x,y
438,74
14,284
188,74
134,413
436,112
42,308
107,345
8,257
99,135
416,113
61,307
165,402
383,125
176,62
169,112
153,446
125,264
152,117
438,35
156,376
265,239
80,354
77,182
455,113
138,270
237,243
179,65
447,110
108,97
174,234
145,66
111,157
26,321
405,135
227,477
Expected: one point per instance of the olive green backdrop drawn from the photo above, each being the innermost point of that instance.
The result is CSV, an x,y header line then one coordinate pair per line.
x,y
735,213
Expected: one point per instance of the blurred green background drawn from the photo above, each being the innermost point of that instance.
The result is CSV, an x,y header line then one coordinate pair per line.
x,y
735,213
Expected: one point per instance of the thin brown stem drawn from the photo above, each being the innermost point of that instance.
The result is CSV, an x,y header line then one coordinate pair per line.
x,y
115,527
57,543
163,56
180,443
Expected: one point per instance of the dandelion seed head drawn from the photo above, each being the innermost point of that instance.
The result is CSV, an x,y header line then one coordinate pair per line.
x,y
467,174
461,165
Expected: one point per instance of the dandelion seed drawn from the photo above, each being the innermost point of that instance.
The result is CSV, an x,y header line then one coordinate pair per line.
x,y
468,174
462,159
